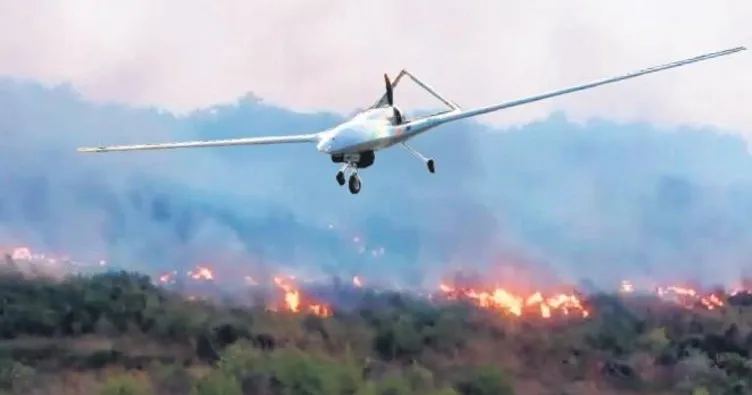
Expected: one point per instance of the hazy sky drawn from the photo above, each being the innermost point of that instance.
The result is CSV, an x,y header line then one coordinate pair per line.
x,y
314,55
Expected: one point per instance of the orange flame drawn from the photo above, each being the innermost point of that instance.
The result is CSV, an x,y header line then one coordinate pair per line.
x,y
498,298
292,299
201,273
689,297
517,305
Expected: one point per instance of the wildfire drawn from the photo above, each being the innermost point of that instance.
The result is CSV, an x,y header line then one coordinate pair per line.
x,y
518,304
684,296
505,300
292,299
497,298
201,273
689,297
167,278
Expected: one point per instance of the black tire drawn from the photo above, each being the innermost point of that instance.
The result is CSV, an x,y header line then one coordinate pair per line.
x,y
354,184
340,178
431,166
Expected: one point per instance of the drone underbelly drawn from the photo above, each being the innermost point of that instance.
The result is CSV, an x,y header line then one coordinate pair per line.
x,y
373,144
370,145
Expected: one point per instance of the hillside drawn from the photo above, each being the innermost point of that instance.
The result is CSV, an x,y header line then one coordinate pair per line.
x,y
117,333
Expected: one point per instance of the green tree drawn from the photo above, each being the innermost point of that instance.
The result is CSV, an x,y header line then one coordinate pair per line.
x,y
240,357
300,374
400,339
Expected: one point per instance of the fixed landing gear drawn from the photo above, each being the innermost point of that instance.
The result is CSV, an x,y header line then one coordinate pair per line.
x,y
341,178
353,182
351,163
430,164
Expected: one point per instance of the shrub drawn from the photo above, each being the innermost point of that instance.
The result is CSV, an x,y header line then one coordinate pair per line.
x,y
484,380
217,383
126,384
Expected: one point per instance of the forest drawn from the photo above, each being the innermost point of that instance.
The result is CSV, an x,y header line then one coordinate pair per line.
x,y
120,334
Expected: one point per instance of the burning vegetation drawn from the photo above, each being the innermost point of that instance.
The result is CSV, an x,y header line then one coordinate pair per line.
x,y
505,300
509,300
466,336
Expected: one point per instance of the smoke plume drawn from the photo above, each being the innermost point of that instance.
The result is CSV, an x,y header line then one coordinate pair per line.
x,y
599,200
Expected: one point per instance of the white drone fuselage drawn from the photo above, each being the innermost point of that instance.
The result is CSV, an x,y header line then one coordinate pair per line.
x,y
354,142
371,130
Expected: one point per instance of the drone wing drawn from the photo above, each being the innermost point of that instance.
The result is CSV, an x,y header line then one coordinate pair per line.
x,y
496,107
301,138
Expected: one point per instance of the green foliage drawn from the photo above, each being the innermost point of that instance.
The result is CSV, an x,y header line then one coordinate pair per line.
x,y
15,375
419,379
217,383
388,345
126,384
484,380
170,378
394,385
399,340
654,341
290,371
443,391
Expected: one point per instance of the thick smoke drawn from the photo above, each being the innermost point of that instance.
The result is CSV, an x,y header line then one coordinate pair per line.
x,y
599,200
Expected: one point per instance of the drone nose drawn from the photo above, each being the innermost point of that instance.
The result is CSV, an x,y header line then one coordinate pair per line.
x,y
325,145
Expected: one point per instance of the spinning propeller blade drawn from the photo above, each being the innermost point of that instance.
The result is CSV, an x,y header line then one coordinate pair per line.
x,y
390,99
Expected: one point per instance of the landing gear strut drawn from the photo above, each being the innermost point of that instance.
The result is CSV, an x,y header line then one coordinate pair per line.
x,y
430,164
351,163
353,182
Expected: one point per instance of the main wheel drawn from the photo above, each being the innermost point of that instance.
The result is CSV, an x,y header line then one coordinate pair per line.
x,y
341,178
431,166
354,184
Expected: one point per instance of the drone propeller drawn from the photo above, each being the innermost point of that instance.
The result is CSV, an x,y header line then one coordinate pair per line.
x,y
390,100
